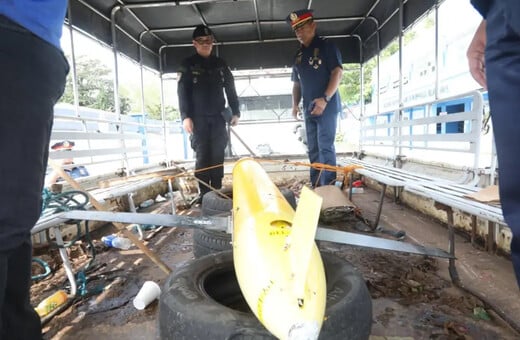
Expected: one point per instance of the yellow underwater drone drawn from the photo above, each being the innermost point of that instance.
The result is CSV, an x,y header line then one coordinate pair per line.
x,y
277,263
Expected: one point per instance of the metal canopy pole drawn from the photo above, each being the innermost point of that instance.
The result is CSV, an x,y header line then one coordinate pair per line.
x,y
163,112
101,15
73,68
143,107
361,80
401,104
117,105
257,19
436,50
74,71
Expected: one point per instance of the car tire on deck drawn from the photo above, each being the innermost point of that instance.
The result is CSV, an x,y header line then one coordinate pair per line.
x,y
209,241
202,300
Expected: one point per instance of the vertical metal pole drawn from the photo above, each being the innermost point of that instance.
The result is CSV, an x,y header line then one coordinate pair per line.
x,y
117,106
378,80
436,50
378,69
163,113
143,107
66,262
493,167
454,275
144,143
361,94
361,80
114,51
73,68
401,104
172,197
74,71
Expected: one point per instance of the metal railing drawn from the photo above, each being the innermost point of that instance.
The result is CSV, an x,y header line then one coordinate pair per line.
x,y
446,125
103,143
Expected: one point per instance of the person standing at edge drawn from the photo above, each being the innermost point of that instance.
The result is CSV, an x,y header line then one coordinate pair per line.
x,y
32,79
494,62
316,76
201,80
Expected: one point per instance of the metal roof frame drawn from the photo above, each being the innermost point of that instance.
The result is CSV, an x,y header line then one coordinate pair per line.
x,y
250,34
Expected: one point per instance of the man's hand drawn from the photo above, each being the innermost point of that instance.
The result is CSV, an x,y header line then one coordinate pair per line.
x,y
234,120
319,106
475,54
296,113
187,124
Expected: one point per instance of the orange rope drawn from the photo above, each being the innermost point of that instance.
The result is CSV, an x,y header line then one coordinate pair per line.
x,y
346,170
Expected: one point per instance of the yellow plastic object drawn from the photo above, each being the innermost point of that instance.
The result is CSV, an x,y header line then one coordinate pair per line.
x,y
51,303
278,265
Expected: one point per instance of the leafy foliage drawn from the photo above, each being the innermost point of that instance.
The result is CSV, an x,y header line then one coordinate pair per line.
x,y
95,86
96,90
154,112
349,87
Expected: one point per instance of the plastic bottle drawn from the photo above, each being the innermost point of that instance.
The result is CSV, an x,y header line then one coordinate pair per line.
x,y
147,203
51,303
117,242
107,240
121,243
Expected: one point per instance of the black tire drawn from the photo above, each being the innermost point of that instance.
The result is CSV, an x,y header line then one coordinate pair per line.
x,y
214,204
207,242
202,300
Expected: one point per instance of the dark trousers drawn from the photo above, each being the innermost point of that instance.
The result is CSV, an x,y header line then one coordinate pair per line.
x,y
321,134
19,320
503,78
209,142
32,79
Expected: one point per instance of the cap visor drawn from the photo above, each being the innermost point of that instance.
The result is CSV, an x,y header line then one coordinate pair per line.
x,y
301,23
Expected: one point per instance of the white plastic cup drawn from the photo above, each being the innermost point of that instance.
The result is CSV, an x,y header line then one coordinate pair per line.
x,y
148,292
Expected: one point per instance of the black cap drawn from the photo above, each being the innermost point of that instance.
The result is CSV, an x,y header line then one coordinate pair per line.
x,y
202,31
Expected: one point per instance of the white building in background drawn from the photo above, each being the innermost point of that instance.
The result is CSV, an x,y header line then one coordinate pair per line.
x,y
419,67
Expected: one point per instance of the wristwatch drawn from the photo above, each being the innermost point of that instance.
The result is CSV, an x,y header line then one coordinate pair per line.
x,y
327,98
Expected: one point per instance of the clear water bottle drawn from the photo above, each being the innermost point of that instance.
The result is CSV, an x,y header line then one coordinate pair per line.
x,y
147,203
117,242
121,243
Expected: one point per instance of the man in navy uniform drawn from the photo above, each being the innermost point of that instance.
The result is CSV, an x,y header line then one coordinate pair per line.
x,y
494,61
201,81
33,70
316,76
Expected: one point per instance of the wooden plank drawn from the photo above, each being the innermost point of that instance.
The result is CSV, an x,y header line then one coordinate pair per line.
x,y
120,226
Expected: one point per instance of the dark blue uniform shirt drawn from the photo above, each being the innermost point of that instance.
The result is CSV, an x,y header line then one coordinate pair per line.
x,y
482,6
312,68
510,10
201,87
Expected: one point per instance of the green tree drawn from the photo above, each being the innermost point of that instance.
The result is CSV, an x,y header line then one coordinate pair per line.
x,y
95,86
154,112
349,87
